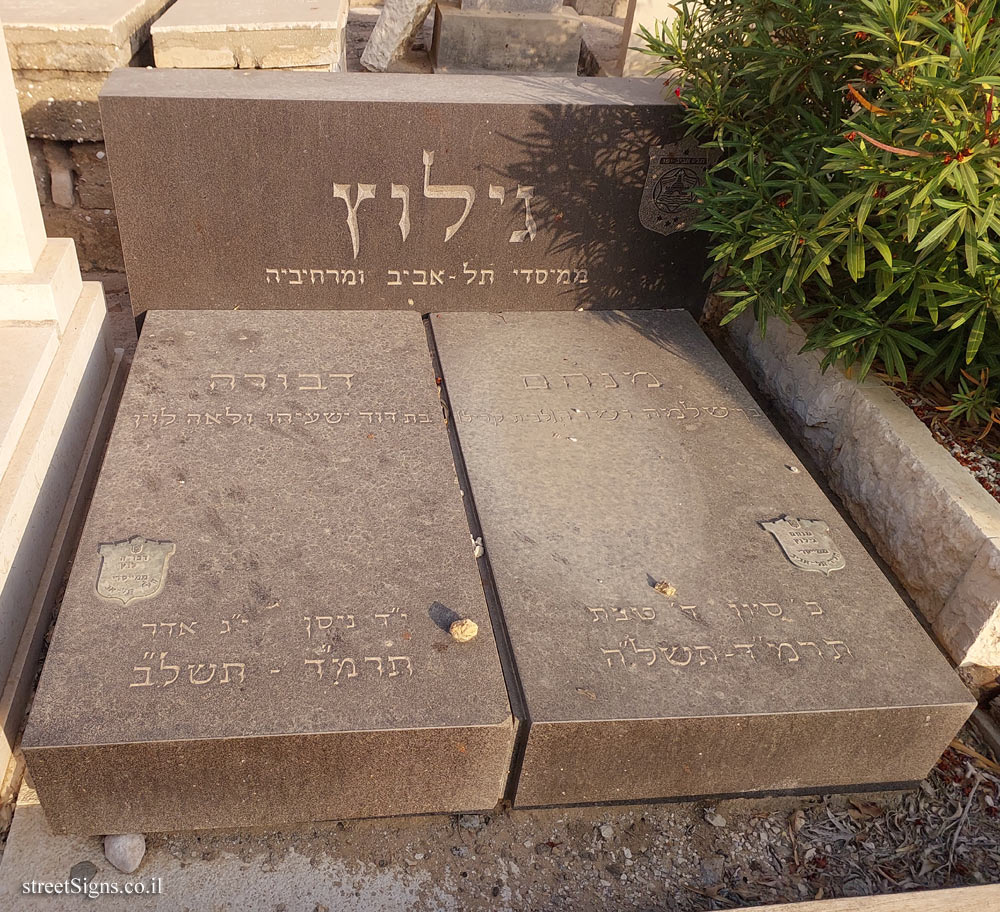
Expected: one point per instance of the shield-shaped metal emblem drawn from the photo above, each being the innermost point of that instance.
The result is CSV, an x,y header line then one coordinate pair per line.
x,y
806,543
668,197
133,569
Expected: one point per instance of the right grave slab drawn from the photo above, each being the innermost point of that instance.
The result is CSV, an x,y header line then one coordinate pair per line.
x,y
687,611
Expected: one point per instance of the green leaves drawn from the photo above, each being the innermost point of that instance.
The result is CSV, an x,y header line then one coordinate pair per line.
x,y
858,187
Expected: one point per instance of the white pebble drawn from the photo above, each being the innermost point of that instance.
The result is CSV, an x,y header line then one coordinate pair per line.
x,y
125,851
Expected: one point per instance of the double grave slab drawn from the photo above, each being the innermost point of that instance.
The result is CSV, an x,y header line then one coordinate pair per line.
x,y
256,627
264,190
688,613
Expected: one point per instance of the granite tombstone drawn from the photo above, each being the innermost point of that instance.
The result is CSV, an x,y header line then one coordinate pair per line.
x,y
265,190
256,628
687,611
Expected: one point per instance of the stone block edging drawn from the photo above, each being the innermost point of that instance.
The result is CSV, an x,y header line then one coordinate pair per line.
x,y
931,521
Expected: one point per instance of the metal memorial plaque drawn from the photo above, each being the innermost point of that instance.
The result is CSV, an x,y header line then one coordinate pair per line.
x,y
619,472
133,569
807,543
674,174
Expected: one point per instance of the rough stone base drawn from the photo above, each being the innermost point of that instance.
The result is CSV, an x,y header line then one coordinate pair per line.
x,y
92,176
98,244
931,521
393,33
58,104
80,35
481,41
602,38
616,8
361,23
62,104
276,35
502,862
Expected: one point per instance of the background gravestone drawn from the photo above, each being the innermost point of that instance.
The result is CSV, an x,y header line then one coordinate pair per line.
x,y
688,613
256,190
255,630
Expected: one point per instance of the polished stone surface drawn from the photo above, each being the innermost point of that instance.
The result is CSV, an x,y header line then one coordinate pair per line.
x,y
669,643
255,630
260,190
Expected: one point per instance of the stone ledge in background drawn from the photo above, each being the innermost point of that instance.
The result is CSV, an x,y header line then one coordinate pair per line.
x,y
266,34
70,35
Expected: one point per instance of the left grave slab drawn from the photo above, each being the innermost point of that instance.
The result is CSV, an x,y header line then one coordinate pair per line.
x,y
255,631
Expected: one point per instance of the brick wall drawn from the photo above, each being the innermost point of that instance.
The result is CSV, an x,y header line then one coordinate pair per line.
x,y
74,187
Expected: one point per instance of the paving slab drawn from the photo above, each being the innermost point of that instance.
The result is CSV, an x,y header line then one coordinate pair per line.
x,y
82,35
269,34
689,614
400,192
274,554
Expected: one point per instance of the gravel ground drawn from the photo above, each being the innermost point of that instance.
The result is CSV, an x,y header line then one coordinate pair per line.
x,y
699,856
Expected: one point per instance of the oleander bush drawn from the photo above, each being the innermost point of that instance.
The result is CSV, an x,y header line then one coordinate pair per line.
x,y
858,181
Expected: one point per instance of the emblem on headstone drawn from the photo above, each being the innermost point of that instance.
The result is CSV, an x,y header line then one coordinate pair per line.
x,y
133,569
668,198
806,543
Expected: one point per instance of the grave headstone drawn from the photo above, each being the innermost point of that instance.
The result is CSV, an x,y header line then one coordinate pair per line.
x,y
688,613
256,627
265,190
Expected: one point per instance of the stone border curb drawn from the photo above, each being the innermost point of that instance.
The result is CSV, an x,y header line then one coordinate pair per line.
x,y
932,522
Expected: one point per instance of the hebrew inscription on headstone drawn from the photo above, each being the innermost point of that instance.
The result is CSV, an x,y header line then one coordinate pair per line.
x,y
292,661
257,190
667,644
